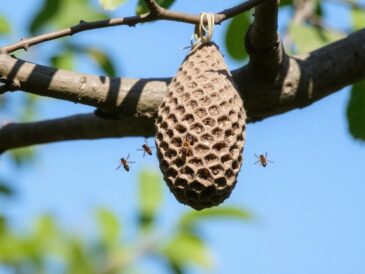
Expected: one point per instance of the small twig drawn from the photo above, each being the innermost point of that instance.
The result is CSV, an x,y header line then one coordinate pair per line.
x,y
153,7
231,12
82,26
303,11
352,4
317,22
162,14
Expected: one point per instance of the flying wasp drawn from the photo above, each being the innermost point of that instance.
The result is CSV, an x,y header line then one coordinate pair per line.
x,y
146,148
125,163
262,159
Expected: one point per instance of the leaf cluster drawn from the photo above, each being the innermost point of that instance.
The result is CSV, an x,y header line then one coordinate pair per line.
x,y
48,248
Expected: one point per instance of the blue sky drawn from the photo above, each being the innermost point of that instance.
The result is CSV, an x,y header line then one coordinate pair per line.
x,y
308,205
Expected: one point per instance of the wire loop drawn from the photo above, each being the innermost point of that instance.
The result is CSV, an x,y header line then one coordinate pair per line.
x,y
204,31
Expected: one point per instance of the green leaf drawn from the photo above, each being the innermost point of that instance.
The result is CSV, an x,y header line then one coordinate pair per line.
x,y
358,18
142,7
186,248
356,111
45,229
62,14
4,26
286,2
29,109
46,236
63,60
22,156
79,261
308,38
10,249
3,101
66,58
319,9
19,250
109,227
176,269
5,190
3,226
111,4
103,60
234,41
46,13
165,3
150,196
190,219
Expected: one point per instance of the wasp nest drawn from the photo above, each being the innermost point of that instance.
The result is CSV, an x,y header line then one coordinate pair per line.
x,y
200,130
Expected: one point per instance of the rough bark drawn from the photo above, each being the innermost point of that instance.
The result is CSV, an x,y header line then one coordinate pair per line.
x,y
271,83
303,80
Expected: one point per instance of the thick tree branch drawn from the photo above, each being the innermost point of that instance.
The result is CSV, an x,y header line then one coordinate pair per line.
x,y
83,126
262,41
304,80
130,97
157,13
263,35
8,85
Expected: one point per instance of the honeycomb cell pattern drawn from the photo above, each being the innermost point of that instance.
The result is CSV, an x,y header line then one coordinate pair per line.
x,y
200,130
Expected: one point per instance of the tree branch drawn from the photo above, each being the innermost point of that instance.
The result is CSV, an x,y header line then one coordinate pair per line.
x,y
303,80
153,7
303,11
156,13
83,126
131,97
262,41
8,85
352,4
